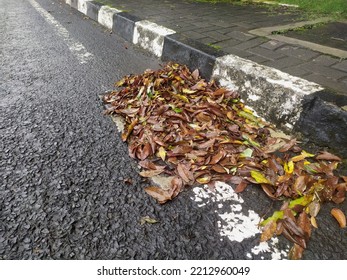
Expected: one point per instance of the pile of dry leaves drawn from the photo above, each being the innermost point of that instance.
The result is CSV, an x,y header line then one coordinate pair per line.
x,y
179,125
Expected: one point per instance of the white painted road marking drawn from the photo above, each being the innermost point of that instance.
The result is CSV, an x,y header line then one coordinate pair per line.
x,y
234,224
75,47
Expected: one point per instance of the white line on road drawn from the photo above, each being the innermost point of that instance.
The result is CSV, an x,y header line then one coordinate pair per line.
x,y
235,223
75,47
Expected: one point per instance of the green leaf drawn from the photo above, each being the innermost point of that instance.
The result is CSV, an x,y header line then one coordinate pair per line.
x,y
250,141
304,200
177,110
248,116
277,215
246,153
311,168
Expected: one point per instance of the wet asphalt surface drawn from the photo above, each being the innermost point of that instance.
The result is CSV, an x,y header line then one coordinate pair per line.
x,y
64,192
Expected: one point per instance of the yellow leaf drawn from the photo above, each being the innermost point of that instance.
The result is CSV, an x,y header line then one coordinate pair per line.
x,y
230,115
289,167
259,177
182,97
120,83
303,155
188,91
314,222
248,110
307,154
298,158
162,153
204,180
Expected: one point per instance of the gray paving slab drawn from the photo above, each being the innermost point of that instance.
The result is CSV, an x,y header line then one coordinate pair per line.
x,y
324,70
330,83
326,60
252,43
267,53
239,35
272,45
298,52
284,62
341,66
259,59
297,71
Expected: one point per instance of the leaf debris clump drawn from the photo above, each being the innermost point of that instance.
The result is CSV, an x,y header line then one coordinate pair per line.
x,y
179,125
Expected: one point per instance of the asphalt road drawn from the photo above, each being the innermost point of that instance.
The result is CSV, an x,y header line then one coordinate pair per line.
x,y
64,192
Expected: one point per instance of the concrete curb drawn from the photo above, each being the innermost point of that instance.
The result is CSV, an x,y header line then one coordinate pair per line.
x,y
293,104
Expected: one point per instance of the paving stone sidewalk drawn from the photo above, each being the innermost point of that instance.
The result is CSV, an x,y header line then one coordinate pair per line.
x,y
226,27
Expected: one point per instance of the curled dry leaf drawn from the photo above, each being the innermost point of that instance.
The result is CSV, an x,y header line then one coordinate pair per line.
x,y
327,156
148,219
195,74
159,194
219,169
339,216
151,173
206,145
268,231
268,190
293,228
128,181
300,184
314,208
296,252
305,224
126,134
217,157
286,147
314,222
185,173
241,187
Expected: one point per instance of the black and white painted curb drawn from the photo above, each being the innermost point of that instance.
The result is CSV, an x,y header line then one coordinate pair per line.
x,y
292,103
